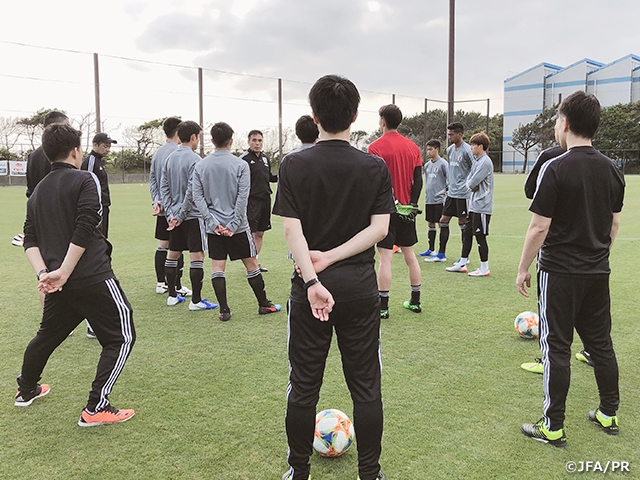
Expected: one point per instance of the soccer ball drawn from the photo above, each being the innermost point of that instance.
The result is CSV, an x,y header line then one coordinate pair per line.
x,y
334,433
526,325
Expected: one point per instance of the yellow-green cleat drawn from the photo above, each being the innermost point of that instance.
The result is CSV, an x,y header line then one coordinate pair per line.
x,y
533,367
539,432
608,425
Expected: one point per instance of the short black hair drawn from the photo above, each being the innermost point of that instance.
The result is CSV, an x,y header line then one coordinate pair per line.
x,y
392,115
221,134
54,116
306,129
456,127
188,128
334,101
254,132
480,139
582,112
58,140
434,143
170,126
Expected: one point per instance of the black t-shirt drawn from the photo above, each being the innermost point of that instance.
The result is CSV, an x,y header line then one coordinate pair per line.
x,y
333,189
579,190
532,179
260,168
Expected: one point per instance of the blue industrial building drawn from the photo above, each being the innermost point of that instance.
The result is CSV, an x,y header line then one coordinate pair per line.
x,y
545,85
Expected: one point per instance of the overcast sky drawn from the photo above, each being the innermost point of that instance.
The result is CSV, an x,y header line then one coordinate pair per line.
x,y
384,46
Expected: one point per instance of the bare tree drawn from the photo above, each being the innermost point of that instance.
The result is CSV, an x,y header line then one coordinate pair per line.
x,y
9,132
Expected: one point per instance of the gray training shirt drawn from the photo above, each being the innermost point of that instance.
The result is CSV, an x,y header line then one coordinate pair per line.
x,y
155,172
460,161
480,184
435,180
174,186
221,183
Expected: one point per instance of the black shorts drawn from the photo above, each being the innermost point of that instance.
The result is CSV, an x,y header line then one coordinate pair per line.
x,y
401,233
238,246
433,212
187,236
161,228
455,207
480,222
259,214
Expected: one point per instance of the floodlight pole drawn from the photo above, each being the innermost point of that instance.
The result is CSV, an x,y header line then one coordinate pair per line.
x,y
280,133
452,38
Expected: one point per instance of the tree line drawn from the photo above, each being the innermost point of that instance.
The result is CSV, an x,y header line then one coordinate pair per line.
x,y
618,135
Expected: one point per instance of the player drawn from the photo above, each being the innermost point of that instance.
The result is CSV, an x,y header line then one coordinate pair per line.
x,y
575,220
185,230
404,161
221,185
259,206
436,171
307,132
170,127
73,264
38,166
529,190
460,160
480,183
332,243
93,163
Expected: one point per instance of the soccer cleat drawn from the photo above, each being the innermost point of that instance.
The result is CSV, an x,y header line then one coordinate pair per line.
x,y
384,314
414,307
438,257
202,305
538,431
585,357
91,334
161,288
262,269
533,367
288,475
171,301
396,249
106,416
478,273
458,266
380,476
427,253
609,426
225,316
270,308
183,292
26,399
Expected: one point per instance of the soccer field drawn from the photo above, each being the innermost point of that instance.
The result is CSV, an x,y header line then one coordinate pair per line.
x,y
210,396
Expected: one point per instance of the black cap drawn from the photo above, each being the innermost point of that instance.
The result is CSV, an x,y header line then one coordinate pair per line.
x,y
103,138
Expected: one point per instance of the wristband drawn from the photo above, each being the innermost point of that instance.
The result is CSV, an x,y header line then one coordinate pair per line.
x,y
311,282
44,270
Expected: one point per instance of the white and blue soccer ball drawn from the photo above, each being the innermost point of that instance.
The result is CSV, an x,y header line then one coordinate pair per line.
x,y
334,433
526,325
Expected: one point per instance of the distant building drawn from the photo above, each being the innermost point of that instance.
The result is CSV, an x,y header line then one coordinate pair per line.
x,y
542,86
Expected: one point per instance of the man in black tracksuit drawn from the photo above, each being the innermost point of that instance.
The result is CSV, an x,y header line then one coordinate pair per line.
x,y
259,205
93,163
65,248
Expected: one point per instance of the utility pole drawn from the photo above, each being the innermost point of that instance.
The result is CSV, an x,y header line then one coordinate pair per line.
x,y
452,40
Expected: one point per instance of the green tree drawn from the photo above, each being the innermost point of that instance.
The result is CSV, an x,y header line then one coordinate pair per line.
x,y
524,138
32,126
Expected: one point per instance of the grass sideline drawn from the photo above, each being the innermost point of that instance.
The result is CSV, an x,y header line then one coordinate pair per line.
x,y
210,396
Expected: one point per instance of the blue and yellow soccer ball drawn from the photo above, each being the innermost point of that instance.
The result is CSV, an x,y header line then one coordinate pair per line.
x,y
333,434
526,325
